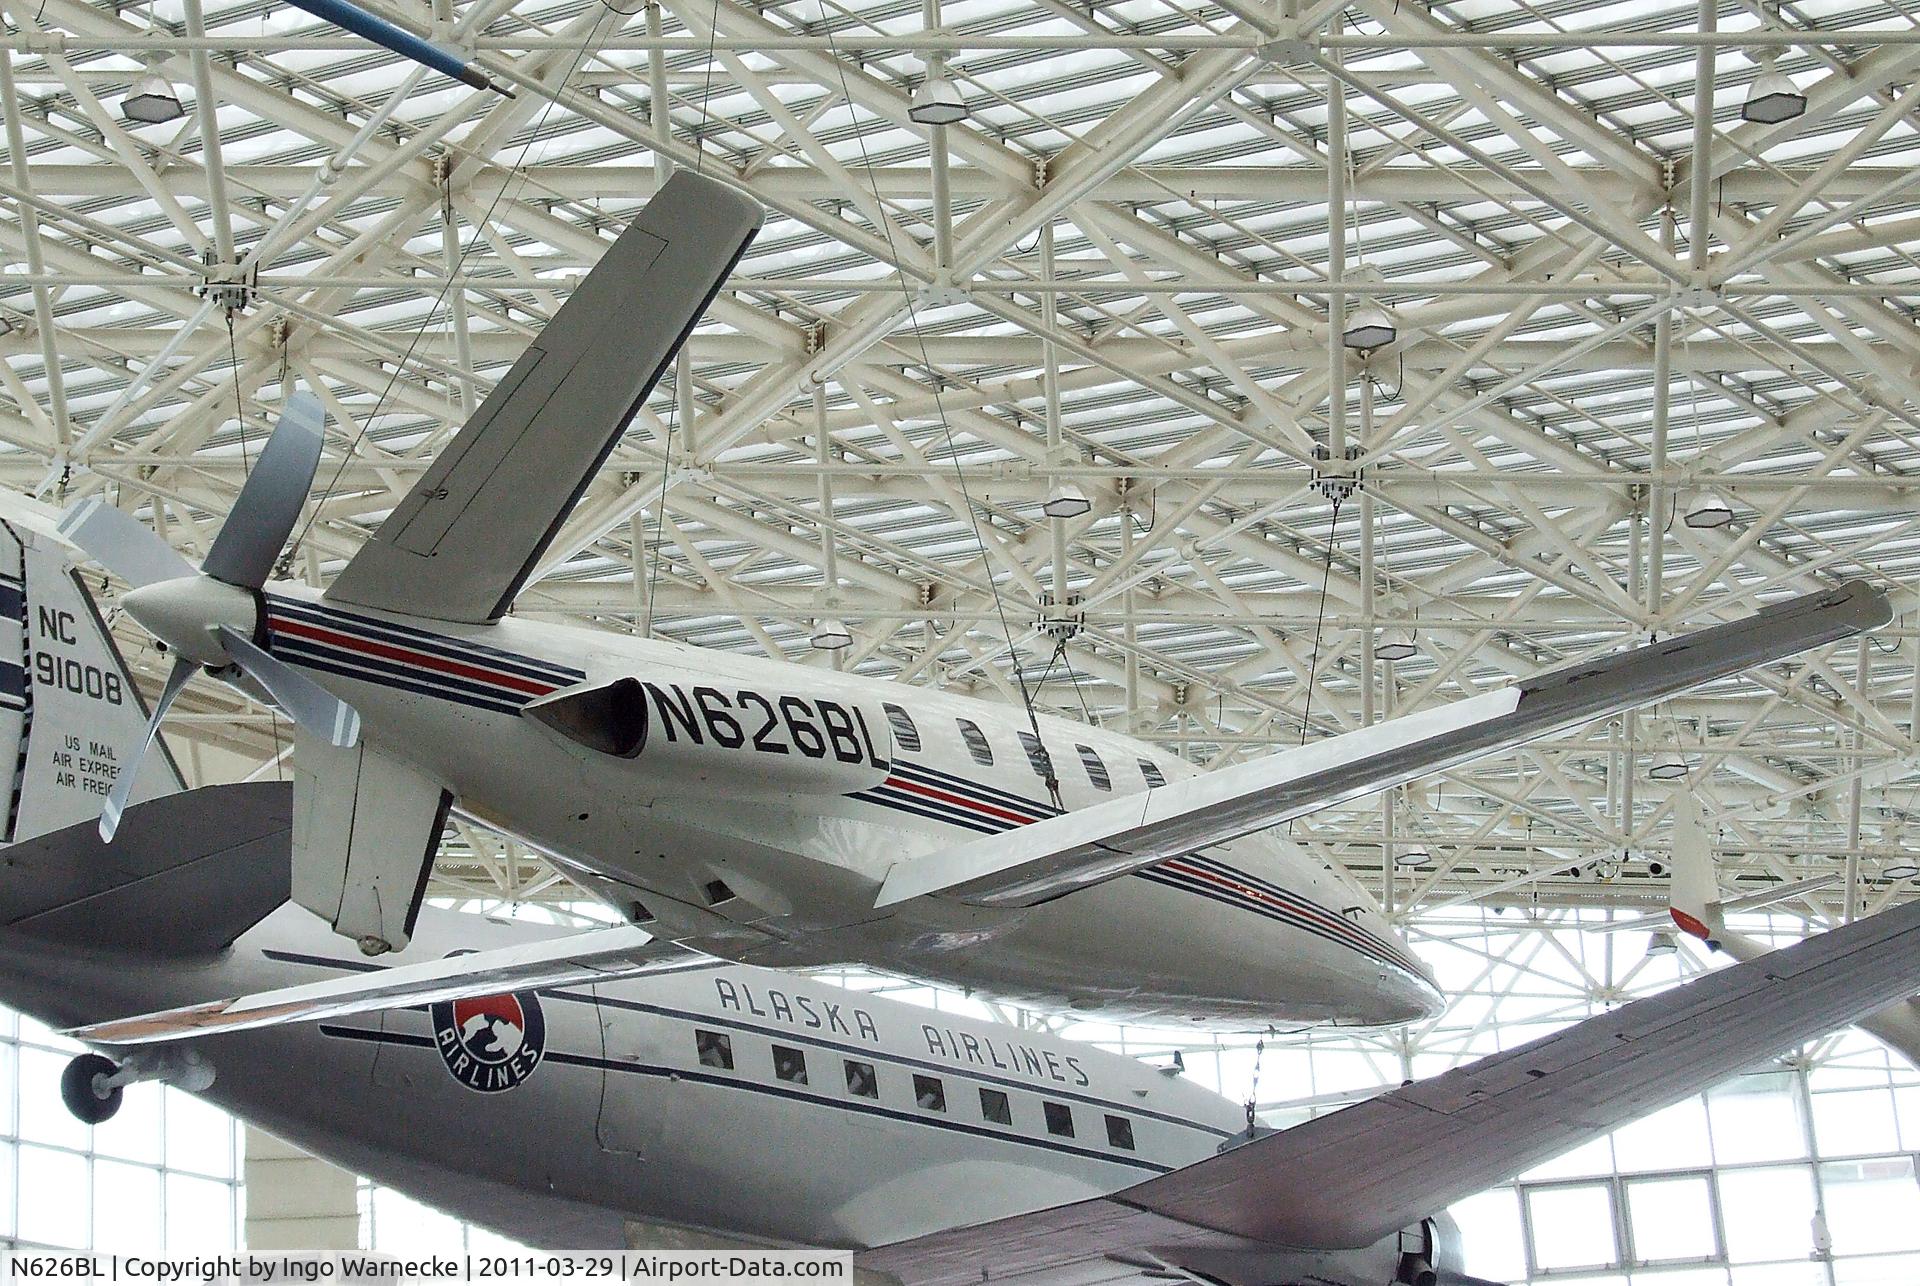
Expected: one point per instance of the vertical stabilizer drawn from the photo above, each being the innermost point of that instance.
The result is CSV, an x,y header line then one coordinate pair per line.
x,y
70,715
1694,894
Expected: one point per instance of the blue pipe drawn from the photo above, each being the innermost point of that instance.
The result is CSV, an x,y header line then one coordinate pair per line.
x,y
403,42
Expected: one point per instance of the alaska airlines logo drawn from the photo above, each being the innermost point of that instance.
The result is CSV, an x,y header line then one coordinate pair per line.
x,y
490,1043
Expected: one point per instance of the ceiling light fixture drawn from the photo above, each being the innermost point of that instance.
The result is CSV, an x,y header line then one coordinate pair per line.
x,y
1706,511
1670,766
1368,328
1394,643
1369,325
830,634
1065,501
1772,98
936,101
152,101
1661,943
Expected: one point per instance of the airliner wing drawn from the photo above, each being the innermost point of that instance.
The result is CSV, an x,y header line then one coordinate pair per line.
x,y
599,955
1359,1175
464,540
1089,845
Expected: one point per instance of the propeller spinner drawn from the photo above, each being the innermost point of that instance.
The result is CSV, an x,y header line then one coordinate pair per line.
x,y
209,617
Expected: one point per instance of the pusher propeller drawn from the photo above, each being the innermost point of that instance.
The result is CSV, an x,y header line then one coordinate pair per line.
x,y
210,617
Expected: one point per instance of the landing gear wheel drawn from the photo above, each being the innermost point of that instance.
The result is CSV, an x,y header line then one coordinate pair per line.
x,y
80,1088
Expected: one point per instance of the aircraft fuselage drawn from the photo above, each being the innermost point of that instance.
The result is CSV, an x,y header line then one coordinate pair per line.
x,y
765,802
721,1099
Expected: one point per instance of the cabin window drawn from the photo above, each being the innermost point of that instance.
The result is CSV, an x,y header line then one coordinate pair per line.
x,y
1096,771
1150,772
903,730
862,1081
929,1093
1059,1119
995,1107
1037,755
714,1048
977,744
1120,1132
789,1064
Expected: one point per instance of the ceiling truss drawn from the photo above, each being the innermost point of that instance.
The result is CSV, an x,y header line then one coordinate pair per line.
x,y
1128,270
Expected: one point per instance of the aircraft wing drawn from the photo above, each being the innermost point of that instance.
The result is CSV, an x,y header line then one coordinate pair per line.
x,y
1359,1175
599,955
465,539
1089,845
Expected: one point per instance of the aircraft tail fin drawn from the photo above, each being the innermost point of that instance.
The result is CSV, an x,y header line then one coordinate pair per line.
x,y
1694,894
70,713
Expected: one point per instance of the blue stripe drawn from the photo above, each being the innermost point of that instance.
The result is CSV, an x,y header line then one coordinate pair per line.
x,y
376,670
920,806
13,600
1295,912
419,689
931,811
925,807
13,680
1226,897
983,794
300,650
422,641
1295,899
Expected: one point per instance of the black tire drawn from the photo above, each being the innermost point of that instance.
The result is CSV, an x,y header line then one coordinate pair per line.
x,y
82,1098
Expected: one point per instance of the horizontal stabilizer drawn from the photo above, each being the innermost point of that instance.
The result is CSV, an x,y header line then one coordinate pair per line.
x,y
1090,845
464,540
1355,1176
600,955
1759,900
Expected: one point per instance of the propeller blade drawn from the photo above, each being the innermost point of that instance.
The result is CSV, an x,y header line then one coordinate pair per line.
x,y
269,504
122,544
306,702
123,784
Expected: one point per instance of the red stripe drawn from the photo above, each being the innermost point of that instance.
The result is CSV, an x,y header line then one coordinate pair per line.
x,y
899,783
387,651
1247,891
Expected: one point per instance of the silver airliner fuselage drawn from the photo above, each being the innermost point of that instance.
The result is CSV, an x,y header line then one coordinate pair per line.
x,y
760,805
720,1099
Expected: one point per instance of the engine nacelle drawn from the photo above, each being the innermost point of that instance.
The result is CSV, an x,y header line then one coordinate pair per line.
x,y
691,728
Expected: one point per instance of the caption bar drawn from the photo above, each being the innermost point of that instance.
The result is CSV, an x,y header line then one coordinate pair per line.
x,y
322,1269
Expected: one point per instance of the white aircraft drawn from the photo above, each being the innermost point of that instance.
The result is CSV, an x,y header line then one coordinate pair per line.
x,y
576,1105
779,814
